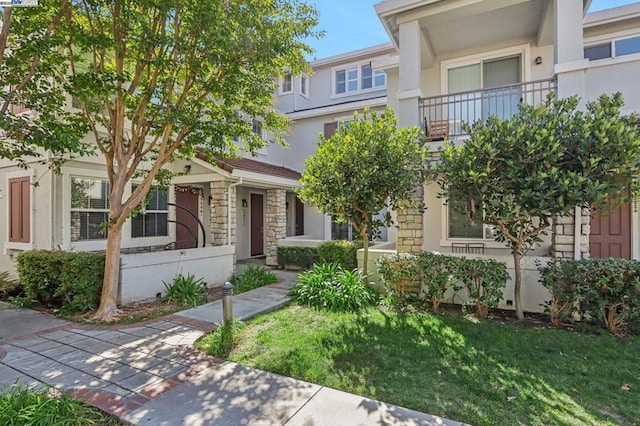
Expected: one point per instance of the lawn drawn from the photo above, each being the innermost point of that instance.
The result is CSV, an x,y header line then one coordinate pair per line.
x,y
477,372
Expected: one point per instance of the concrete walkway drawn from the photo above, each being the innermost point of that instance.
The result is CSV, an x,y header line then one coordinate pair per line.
x,y
149,373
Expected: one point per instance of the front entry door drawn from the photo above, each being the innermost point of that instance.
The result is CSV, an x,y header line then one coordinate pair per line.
x,y
187,230
611,233
257,225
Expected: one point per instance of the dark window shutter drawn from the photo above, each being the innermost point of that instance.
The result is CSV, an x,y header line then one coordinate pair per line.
x,y
20,210
330,129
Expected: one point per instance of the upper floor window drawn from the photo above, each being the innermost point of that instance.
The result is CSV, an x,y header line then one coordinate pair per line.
x,y
286,84
304,86
358,78
613,48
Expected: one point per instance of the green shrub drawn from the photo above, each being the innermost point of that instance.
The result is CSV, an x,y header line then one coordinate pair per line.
x,y
436,274
328,286
608,289
253,277
400,273
22,406
70,281
484,280
10,286
342,252
301,257
187,290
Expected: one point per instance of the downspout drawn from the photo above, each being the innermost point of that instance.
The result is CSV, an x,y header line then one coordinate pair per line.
x,y
52,203
577,233
239,182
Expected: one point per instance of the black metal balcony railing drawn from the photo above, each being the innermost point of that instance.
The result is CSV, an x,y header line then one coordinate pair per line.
x,y
443,115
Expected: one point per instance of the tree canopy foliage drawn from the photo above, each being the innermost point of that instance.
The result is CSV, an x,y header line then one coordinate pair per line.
x,y
33,68
369,164
541,163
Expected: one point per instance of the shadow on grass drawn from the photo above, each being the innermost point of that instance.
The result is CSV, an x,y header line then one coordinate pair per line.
x,y
485,373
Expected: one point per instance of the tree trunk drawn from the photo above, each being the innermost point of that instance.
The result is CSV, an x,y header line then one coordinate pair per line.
x,y
518,284
108,308
365,261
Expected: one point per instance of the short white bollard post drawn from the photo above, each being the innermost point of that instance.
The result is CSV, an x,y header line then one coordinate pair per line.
x,y
227,303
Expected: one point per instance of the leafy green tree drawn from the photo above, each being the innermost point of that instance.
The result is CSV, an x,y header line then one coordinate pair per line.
x,y
33,119
158,79
364,167
517,174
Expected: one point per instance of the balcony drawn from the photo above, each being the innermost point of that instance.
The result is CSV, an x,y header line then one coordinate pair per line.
x,y
443,115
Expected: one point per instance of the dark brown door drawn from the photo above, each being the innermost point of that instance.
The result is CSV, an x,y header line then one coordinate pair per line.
x,y
299,217
187,230
257,225
611,233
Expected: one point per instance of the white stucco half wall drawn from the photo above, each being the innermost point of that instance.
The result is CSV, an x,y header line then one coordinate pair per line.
x,y
142,274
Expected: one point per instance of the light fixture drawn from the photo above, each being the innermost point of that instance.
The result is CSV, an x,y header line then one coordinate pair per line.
x,y
286,205
538,60
210,199
187,168
244,203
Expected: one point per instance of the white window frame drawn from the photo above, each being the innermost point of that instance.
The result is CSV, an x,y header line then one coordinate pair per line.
x,y
446,241
12,245
85,210
524,50
357,66
263,136
611,39
305,78
281,83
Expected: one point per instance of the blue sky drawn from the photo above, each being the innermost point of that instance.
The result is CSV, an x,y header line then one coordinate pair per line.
x,y
353,24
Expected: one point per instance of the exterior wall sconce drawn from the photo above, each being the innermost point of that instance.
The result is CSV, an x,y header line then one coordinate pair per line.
x,y
286,206
187,168
244,203
538,60
210,199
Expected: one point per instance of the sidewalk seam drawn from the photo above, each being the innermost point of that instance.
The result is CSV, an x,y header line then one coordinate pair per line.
x,y
303,405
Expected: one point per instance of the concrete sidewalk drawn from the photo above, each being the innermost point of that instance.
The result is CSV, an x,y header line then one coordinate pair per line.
x,y
149,373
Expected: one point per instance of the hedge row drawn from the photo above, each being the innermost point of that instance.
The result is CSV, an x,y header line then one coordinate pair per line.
x,y
340,252
607,289
431,275
69,281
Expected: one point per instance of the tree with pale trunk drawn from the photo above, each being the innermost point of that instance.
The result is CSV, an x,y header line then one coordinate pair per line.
x,y
159,79
518,174
33,118
368,165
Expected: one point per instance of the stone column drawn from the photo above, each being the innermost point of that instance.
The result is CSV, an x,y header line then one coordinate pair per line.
x,y
276,225
564,233
221,228
411,225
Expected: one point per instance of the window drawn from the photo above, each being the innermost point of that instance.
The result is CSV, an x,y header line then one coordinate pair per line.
x,y
152,220
358,78
257,128
20,210
460,223
613,49
304,86
89,208
286,84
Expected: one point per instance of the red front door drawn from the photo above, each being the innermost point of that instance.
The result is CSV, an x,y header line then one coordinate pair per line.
x,y
187,230
257,225
611,233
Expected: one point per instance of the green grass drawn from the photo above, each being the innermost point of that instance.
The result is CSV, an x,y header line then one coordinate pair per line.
x,y
477,372
39,407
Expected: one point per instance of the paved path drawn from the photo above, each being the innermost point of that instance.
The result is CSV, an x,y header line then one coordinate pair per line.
x,y
149,373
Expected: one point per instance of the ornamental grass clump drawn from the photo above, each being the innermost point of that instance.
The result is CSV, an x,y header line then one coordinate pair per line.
x,y
329,286
253,277
186,289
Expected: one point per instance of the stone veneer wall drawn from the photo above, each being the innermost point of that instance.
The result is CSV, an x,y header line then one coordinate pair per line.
x,y
220,213
563,236
411,226
276,225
